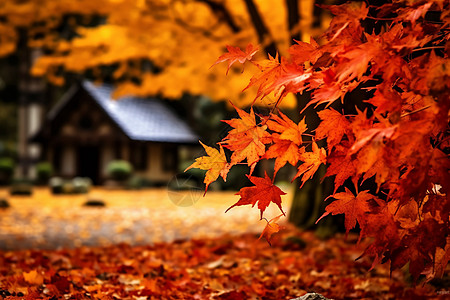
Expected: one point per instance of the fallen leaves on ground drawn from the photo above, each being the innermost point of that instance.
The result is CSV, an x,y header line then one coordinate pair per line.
x,y
229,267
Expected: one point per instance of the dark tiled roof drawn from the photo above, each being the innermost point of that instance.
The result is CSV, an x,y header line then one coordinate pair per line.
x,y
142,119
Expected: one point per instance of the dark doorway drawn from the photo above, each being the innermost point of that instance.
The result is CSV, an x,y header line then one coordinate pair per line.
x,y
89,162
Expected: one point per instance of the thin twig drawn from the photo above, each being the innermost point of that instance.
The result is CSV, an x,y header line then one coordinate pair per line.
x,y
415,111
428,48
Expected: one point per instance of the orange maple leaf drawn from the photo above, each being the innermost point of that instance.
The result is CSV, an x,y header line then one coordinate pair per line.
x,y
271,227
263,192
302,52
284,152
279,78
270,71
311,162
354,207
236,54
287,128
247,140
286,141
214,162
333,126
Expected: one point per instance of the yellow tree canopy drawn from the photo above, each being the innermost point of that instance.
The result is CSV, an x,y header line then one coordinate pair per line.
x,y
168,45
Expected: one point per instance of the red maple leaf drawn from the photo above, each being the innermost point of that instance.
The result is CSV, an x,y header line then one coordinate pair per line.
x,y
236,54
341,165
419,247
279,78
292,78
354,207
263,192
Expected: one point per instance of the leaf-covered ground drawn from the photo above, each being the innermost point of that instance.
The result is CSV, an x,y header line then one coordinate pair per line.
x,y
231,265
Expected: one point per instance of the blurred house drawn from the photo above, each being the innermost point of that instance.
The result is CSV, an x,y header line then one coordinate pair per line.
x,y
87,129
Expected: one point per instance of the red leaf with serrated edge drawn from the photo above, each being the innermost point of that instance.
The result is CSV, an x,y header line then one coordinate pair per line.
x,y
264,192
236,54
341,165
271,228
247,140
354,207
419,247
291,79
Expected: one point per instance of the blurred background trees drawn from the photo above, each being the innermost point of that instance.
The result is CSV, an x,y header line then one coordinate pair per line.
x,y
158,48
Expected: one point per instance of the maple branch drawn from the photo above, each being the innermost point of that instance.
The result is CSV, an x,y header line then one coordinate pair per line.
x,y
380,19
428,48
293,18
223,13
206,33
443,140
260,27
217,9
415,111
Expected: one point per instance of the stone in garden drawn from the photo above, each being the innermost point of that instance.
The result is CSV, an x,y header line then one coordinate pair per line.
x,y
94,203
312,296
4,204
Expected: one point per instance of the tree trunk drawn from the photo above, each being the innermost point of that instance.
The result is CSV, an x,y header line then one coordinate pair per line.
x,y
308,203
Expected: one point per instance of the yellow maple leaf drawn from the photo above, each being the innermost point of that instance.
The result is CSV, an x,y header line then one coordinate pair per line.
x,y
215,162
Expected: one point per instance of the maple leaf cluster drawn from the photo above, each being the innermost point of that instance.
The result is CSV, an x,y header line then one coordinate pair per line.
x,y
400,139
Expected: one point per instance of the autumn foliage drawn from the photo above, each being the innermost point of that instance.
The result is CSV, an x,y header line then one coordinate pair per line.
x,y
397,137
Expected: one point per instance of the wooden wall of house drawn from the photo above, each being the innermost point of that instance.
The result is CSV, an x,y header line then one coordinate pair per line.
x,y
158,167
83,131
154,161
